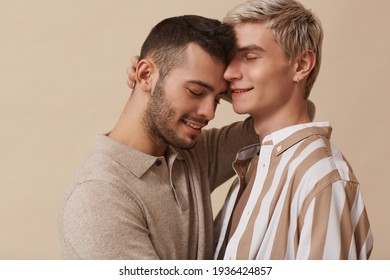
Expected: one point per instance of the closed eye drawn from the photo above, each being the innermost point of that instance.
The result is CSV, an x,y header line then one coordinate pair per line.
x,y
251,57
250,52
195,93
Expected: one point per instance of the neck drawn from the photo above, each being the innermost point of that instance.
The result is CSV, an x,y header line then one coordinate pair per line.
x,y
282,118
130,129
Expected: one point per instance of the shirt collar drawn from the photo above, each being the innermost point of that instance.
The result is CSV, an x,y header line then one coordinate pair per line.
x,y
287,137
248,152
133,160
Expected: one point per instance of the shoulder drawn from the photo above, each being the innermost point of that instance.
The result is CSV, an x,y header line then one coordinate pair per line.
x,y
98,183
320,166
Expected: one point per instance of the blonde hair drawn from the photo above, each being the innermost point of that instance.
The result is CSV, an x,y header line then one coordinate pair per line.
x,y
295,28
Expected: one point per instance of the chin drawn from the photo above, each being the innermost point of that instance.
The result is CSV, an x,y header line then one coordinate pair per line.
x,y
184,144
239,110
187,146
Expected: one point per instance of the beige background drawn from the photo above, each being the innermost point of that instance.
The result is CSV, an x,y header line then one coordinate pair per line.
x,y
63,72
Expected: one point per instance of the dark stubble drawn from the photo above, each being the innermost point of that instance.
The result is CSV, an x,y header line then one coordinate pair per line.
x,y
158,116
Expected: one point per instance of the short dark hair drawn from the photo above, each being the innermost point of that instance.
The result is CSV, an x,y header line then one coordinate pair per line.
x,y
167,41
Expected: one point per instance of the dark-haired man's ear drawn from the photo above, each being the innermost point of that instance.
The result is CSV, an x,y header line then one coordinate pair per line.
x,y
305,63
144,73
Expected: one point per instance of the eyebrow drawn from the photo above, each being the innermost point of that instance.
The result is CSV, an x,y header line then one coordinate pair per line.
x,y
251,47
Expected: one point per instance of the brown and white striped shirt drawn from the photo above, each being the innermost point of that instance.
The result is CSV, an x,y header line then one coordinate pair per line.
x,y
295,197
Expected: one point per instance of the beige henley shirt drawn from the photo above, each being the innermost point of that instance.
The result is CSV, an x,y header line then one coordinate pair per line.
x,y
124,204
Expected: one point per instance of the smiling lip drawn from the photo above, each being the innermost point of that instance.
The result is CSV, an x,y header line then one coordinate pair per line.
x,y
194,125
239,91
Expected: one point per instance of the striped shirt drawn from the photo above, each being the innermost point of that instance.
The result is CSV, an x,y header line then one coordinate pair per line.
x,y
295,197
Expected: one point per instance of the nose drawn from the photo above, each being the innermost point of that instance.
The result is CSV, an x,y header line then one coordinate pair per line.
x,y
207,108
232,72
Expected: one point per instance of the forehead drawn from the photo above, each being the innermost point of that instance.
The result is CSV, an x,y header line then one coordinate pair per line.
x,y
255,33
199,65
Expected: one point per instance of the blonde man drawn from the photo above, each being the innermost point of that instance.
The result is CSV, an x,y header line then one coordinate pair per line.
x,y
295,196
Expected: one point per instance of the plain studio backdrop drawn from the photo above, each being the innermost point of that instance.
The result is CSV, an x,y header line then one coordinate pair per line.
x,y
63,80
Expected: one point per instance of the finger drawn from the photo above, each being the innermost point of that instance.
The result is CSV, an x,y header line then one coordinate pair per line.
x,y
134,61
131,73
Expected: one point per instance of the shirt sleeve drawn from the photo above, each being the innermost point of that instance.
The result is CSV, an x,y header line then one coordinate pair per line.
x,y
335,225
102,222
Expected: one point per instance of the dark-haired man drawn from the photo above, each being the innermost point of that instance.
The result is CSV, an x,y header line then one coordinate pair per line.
x,y
144,192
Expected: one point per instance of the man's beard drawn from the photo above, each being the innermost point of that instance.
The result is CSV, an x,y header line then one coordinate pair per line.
x,y
159,114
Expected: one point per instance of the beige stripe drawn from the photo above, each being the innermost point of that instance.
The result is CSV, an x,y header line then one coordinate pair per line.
x,y
361,232
280,242
369,253
345,221
244,196
245,187
303,134
219,219
283,178
351,175
320,224
319,186
279,246
327,180
246,238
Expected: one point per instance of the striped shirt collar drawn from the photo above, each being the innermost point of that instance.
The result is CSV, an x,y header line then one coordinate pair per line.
x,y
287,137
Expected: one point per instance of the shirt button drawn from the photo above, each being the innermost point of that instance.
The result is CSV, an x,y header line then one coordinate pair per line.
x,y
158,162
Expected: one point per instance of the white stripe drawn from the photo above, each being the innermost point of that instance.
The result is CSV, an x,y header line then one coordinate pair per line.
x,y
366,246
332,246
263,237
320,168
305,237
308,181
340,163
357,208
261,172
284,133
356,212
225,216
352,254
260,229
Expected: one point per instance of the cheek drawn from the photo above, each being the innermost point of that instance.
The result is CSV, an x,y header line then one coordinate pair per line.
x,y
259,76
181,104
269,75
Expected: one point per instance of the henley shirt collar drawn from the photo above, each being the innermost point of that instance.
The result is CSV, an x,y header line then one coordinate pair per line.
x,y
133,160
